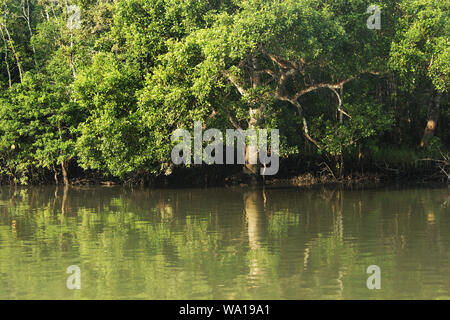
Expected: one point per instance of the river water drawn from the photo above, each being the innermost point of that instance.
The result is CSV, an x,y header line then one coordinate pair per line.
x,y
224,243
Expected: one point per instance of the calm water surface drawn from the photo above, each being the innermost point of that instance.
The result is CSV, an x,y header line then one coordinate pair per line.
x,y
230,243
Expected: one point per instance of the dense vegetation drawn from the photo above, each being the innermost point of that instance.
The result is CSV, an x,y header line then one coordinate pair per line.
x,y
104,95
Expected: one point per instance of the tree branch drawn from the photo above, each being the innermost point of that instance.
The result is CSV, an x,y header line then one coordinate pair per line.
x,y
230,77
305,123
322,85
340,103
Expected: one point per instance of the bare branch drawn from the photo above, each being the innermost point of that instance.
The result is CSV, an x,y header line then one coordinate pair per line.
x,y
281,62
231,78
322,85
233,122
268,71
305,123
340,103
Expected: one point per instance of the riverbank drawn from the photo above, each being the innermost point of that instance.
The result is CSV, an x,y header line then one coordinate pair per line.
x,y
303,173
292,173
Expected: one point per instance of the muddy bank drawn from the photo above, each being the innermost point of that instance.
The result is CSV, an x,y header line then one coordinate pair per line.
x,y
292,173
210,176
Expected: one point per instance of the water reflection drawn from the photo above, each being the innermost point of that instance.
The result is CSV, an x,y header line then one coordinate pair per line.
x,y
256,217
224,243
256,226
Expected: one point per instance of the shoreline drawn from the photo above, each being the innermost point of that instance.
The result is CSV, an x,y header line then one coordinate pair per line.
x,y
240,179
293,173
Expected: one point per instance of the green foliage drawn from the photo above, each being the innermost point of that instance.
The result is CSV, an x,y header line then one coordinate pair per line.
x,y
38,123
110,138
367,119
107,96
421,46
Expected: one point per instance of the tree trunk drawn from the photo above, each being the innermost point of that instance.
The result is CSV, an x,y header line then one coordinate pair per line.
x,y
64,207
433,117
55,174
340,162
6,58
252,165
64,167
251,168
251,151
11,43
27,17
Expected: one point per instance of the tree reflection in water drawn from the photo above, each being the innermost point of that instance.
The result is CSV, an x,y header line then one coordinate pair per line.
x,y
237,243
